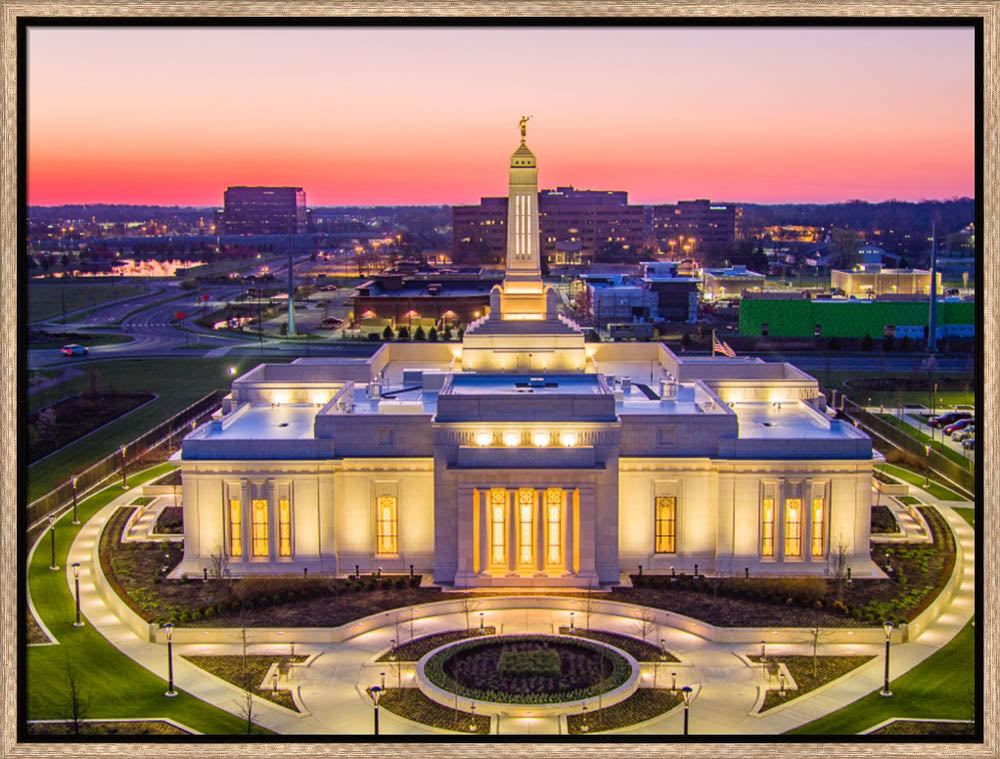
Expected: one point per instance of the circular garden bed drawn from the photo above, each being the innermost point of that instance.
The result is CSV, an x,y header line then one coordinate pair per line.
x,y
527,669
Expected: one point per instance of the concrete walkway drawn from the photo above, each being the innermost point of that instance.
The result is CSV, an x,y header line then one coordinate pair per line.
x,y
331,687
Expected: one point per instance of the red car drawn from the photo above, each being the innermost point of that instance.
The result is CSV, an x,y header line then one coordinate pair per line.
x,y
73,350
959,425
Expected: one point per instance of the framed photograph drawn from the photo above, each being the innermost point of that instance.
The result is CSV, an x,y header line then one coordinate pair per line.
x,y
594,374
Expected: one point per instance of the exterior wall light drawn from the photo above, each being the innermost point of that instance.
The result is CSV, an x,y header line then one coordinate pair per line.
x,y
511,439
540,439
483,439
568,439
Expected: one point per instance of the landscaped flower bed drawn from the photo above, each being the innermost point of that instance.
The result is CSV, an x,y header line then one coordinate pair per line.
x,y
106,727
473,669
644,704
414,705
883,520
170,521
827,669
637,649
919,727
248,672
416,649
137,572
918,573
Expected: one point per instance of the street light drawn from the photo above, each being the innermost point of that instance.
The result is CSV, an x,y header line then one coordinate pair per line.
x,y
52,532
75,520
686,690
76,580
472,722
124,486
572,627
375,693
927,467
482,622
583,723
888,634
169,628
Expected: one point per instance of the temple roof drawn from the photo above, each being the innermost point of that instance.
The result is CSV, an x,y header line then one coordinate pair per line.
x,y
523,158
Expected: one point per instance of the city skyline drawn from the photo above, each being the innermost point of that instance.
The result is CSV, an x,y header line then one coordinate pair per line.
x,y
115,115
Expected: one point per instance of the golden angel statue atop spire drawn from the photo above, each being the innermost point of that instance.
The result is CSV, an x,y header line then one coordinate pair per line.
x,y
524,126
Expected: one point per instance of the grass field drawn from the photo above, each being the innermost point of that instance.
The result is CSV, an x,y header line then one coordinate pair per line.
x,y
938,491
177,382
969,515
892,398
939,687
114,685
45,299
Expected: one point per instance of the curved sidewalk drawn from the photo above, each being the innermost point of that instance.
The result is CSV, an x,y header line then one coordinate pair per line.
x,y
332,687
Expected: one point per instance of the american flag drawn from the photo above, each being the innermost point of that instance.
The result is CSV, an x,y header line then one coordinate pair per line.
x,y
721,346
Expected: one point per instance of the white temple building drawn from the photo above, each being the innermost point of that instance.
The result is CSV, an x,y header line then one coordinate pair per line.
x,y
526,457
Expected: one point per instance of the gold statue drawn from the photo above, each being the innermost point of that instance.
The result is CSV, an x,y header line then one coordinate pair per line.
x,y
524,126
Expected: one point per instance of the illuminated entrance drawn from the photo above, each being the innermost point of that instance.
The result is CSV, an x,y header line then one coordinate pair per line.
x,y
526,532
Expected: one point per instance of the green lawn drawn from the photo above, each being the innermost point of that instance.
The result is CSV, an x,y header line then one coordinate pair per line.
x,y
938,491
931,690
115,686
45,299
178,382
892,398
937,445
969,515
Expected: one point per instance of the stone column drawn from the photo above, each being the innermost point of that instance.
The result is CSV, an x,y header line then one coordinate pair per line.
x,y
540,516
587,531
568,531
512,531
484,530
464,572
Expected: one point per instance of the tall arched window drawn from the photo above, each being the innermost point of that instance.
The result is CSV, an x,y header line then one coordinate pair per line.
x,y
553,527
666,524
235,528
818,524
793,527
386,524
258,523
767,527
498,527
284,527
526,527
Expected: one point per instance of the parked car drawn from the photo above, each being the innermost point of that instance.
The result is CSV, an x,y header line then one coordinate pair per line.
x,y
969,442
72,349
962,434
949,418
956,426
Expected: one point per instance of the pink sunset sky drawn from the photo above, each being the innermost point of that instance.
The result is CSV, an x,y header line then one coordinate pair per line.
x,y
425,115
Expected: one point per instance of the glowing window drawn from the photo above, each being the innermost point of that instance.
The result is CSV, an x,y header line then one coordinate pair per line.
x,y
767,528
666,524
817,527
553,527
498,526
526,526
235,528
793,527
284,527
258,524
385,524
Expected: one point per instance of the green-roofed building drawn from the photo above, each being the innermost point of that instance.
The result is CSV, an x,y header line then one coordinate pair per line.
x,y
854,318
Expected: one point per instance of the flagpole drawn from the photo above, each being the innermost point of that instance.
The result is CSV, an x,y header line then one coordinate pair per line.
x,y
713,343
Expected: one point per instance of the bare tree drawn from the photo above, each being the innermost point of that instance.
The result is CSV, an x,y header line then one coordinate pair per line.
x,y
588,604
645,619
77,701
218,563
468,606
838,565
816,634
246,704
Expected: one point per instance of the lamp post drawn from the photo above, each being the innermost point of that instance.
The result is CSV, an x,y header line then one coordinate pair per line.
x,y
686,690
76,581
75,520
927,468
169,628
572,624
52,532
583,722
375,693
482,623
472,722
888,634
124,486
